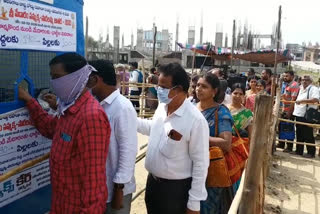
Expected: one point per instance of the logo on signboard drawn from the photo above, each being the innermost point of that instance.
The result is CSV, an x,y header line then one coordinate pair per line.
x,y
3,14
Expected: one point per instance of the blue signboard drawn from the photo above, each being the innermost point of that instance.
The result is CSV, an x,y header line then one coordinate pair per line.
x,y
29,39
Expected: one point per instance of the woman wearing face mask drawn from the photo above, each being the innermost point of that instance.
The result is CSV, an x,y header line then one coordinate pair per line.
x,y
219,199
260,89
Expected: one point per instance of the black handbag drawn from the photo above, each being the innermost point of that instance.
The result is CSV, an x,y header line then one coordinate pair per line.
x,y
312,115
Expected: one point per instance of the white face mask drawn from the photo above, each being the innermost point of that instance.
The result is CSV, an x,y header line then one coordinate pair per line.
x,y
163,95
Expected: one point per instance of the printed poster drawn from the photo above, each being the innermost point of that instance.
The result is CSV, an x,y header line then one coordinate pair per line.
x,y
29,25
19,143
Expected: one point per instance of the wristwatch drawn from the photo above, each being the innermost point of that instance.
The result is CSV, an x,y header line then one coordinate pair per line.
x,y
118,186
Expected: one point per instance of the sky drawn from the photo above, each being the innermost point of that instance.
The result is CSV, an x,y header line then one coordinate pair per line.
x,y
300,19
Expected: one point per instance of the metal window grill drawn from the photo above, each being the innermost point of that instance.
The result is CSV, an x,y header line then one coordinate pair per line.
x,y
10,62
38,69
12,69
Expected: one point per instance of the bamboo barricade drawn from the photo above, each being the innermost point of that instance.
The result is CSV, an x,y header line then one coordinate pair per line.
x,y
142,98
288,101
252,201
298,143
300,123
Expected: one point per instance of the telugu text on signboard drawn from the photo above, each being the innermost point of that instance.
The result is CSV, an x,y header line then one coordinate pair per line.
x,y
19,143
29,25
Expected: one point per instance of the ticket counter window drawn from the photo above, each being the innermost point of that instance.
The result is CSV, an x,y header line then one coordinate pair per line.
x,y
12,68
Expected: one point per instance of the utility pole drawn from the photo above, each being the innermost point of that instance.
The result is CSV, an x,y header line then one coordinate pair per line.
x,y
233,40
87,37
277,40
154,46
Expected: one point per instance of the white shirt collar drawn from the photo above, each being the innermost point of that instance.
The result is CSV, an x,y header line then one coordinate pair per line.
x,y
111,97
180,110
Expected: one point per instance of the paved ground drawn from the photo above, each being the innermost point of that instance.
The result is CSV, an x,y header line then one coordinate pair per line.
x,y
293,186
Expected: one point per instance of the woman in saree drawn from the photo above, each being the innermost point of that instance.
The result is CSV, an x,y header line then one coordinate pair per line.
x,y
219,199
242,116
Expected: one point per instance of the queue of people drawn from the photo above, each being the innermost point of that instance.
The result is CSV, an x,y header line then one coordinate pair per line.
x,y
303,96
94,135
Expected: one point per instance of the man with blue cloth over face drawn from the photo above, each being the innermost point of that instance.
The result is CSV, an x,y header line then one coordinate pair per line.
x,y
80,134
177,157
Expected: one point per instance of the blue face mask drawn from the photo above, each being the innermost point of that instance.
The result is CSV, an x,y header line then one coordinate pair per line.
x,y
163,95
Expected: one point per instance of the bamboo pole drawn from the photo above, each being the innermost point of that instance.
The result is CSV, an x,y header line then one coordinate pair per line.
x,y
140,157
139,85
87,37
258,142
193,60
237,199
298,143
138,194
142,95
300,123
233,41
288,101
278,41
154,46
22,167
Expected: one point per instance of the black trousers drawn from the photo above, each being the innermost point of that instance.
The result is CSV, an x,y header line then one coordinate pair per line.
x,y
167,196
304,134
135,103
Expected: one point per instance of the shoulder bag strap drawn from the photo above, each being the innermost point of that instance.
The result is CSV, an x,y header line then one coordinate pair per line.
x,y
308,96
237,131
216,117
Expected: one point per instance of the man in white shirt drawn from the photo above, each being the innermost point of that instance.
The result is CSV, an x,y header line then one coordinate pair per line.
x,y
134,78
177,158
123,140
308,95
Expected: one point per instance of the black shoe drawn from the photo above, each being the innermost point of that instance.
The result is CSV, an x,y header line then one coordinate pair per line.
x,y
287,150
309,156
280,147
295,153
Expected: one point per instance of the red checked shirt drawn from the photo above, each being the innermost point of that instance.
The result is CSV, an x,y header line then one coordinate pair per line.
x,y
290,93
78,155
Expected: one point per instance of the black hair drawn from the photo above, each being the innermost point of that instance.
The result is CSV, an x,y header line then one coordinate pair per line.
x,y
238,86
214,82
268,71
134,64
252,78
289,72
195,78
70,61
178,74
153,70
105,71
251,70
262,82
